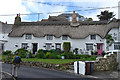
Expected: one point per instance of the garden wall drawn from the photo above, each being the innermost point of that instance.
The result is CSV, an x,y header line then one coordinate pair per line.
x,y
108,62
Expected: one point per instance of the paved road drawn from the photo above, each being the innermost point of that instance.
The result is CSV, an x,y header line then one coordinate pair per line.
x,y
31,72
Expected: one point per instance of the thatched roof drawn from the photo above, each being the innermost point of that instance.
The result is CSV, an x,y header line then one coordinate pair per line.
x,y
59,28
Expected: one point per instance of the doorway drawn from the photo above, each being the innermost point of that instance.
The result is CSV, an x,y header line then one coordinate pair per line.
x,y
35,45
99,48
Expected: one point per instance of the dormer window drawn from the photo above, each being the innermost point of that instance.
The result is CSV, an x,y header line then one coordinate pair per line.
x,y
64,37
28,36
93,37
49,37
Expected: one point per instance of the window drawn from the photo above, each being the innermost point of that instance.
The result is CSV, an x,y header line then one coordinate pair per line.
x,y
2,47
49,37
28,36
48,46
89,46
64,37
93,37
117,46
58,45
24,45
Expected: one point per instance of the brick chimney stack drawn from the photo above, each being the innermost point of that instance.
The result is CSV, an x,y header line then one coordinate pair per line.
x,y
74,17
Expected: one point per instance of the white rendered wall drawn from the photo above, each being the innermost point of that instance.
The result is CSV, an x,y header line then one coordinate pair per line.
x,y
75,43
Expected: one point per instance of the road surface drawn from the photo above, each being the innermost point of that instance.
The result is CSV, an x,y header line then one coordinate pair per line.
x,y
33,72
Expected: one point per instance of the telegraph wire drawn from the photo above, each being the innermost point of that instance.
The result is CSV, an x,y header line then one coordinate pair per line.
x,y
62,12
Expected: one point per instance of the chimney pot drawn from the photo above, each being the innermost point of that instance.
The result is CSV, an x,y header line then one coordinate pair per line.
x,y
74,17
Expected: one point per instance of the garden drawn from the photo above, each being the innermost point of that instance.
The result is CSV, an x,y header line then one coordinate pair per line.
x,y
51,56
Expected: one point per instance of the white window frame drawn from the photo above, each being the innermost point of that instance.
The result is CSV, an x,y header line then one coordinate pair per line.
x,y
116,45
93,37
48,46
64,37
49,37
24,45
89,46
28,36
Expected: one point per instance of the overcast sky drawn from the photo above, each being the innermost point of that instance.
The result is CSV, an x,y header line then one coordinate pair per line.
x,y
28,7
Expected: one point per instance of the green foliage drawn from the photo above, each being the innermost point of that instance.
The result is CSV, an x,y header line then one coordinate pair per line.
x,y
21,52
52,56
91,58
77,56
40,50
58,57
66,46
69,55
53,51
95,52
40,54
48,55
89,19
105,15
7,52
109,40
84,56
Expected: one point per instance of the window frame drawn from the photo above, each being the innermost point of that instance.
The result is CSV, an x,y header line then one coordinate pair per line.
x,y
28,36
64,37
93,37
116,45
49,37
24,45
89,45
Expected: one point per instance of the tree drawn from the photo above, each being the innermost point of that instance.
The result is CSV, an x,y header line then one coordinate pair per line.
x,y
109,41
105,15
89,19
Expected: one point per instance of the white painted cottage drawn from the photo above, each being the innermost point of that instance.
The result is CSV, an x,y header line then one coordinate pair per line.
x,y
51,33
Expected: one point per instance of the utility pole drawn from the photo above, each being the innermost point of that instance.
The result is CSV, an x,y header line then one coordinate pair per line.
x,y
38,16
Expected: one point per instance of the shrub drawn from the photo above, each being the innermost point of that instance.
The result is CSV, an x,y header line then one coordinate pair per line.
x,y
48,54
95,52
53,56
92,53
69,55
76,50
58,57
40,50
53,51
7,52
84,56
91,58
103,53
77,56
66,46
40,55
21,52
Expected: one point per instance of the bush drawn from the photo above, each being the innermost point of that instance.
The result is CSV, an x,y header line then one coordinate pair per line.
x,y
21,52
91,58
66,46
53,51
95,52
7,52
77,56
58,57
69,55
103,53
53,56
40,55
84,56
40,50
48,54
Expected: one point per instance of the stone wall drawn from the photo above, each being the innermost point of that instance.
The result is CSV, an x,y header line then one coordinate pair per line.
x,y
108,62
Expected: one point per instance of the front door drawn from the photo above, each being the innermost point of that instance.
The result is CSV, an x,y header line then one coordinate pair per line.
x,y
35,45
99,48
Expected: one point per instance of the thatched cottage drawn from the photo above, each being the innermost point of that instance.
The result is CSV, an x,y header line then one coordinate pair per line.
x,y
50,33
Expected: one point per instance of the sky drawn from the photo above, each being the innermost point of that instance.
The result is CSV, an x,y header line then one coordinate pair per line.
x,y
9,8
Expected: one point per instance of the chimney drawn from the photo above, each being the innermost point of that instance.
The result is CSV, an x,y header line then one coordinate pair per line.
x,y
74,17
17,19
